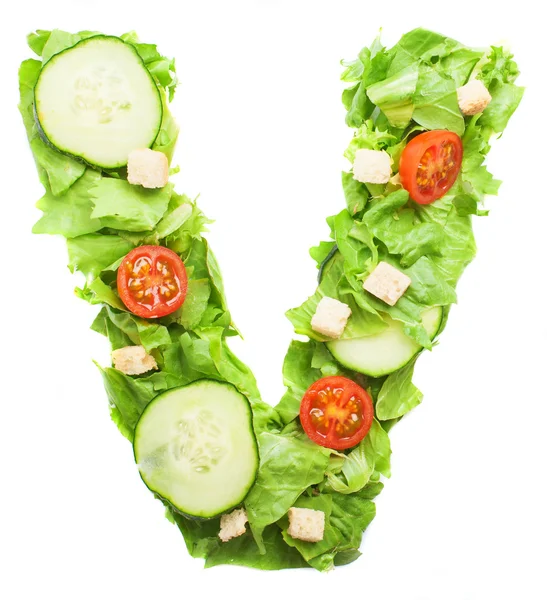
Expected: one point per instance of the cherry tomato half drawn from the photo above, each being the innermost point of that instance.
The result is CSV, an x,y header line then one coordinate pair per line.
x,y
430,164
336,413
152,281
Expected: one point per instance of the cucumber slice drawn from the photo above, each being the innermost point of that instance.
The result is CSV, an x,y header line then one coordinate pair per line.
x,y
387,351
195,448
97,101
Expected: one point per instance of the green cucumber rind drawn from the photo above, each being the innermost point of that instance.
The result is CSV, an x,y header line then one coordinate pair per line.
x,y
377,374
166,501
76,157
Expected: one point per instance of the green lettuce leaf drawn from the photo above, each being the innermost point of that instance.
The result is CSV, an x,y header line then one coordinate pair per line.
x,y
70,214
58,40
458,248
346,518
360,323
92,253
398,394
436,102
121,205
195,304
127,397
297,463
395,226
304,363
57,171
368,460
161,67
394,95
410,49
244,551
355,192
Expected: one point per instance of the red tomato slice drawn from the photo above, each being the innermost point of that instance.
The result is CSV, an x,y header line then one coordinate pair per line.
x,y
336,413
152,281
430,164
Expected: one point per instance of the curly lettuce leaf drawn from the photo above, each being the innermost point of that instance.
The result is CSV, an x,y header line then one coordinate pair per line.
x,y
93,252
244,551
398,395
121,205
127,397
305,363
71,214
370,459
436,103
288,466
346,518
57,171
361,322
393,224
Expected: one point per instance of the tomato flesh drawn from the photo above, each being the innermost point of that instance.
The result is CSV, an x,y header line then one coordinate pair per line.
x,y
430,164
152,281
336,413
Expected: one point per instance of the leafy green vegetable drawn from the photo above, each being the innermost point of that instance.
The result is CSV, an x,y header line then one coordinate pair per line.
x,y
61,170
128,398
361,322
398,230
393,94
121,205
197,299
92,253
71,214
436,102
371,456
355,192
288,466
298,375
244,551
398,395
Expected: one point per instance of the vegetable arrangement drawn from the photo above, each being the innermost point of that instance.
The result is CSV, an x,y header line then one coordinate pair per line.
x,y
305,473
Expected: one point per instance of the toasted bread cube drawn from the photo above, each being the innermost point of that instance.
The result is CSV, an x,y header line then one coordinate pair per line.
x,y
371,166
133,360
387,283
473,97
148,168
232,525
330,317
306,524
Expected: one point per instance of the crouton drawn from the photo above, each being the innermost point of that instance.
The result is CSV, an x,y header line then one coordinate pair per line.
x,y
372,166
387,283
473,97
306,524
147,168
133,360
331,317
232,525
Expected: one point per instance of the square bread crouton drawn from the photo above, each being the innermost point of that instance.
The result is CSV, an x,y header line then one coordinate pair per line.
x,y
133,360
330,317
147,168
473,97
232,525
306,524
372,166
387,283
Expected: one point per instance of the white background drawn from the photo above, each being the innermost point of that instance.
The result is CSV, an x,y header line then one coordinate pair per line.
x,y
262,135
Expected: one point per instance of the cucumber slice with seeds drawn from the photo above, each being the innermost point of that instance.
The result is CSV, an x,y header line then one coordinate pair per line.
x,y
384,352
195,448
97,101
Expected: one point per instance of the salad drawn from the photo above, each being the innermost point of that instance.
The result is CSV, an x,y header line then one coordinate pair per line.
x,y
247,483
